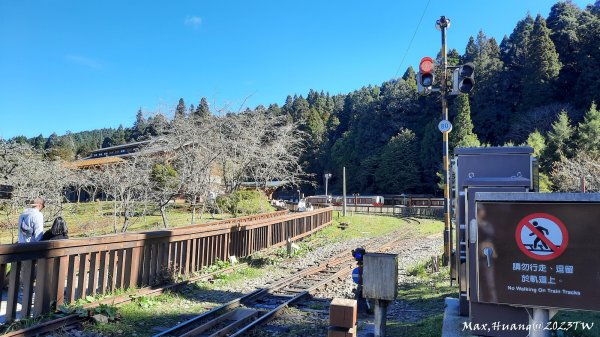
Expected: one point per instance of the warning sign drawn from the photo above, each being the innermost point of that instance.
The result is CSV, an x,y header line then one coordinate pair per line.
x,y
551,268
542,236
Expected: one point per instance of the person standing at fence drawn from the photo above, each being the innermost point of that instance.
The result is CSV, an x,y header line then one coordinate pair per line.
x,y
31,222
58,231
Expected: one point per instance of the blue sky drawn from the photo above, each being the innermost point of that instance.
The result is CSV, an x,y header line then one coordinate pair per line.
x,y
79,65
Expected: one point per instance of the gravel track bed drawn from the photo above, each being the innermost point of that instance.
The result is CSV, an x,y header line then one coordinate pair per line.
x,y
318,254
312,319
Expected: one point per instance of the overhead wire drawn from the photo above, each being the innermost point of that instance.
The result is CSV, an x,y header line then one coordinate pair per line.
x,y
412,39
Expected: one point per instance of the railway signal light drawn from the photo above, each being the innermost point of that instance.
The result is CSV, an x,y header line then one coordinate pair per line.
x,y
425,77
463,79
358,254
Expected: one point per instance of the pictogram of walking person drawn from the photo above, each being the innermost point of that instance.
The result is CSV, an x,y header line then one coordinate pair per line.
x,y
538,240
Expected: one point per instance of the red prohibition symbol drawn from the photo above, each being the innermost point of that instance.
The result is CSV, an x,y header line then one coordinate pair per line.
x,y
542,236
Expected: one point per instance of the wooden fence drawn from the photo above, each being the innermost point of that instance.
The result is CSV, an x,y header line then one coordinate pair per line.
x,y
427,212
51,273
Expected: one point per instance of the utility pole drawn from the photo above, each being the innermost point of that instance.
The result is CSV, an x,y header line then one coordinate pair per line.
x,y
443,23
344,181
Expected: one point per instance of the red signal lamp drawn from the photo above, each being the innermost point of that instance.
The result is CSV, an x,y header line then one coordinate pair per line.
x,y
426,77
426,65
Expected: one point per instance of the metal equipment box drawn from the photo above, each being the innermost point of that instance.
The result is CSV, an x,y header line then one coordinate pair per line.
x,y
493,169
380,276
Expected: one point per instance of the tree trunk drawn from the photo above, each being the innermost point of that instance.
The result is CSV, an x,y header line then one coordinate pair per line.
x,y
194,212
203,209
125,224
163,213
145,211
115,215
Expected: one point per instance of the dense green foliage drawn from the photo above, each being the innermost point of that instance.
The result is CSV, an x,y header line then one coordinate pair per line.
x,y
244,202
535,87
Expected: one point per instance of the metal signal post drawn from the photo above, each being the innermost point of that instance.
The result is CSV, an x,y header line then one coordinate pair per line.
x,y
442,24
462,83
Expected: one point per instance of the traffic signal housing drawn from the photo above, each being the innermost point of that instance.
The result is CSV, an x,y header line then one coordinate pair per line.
x,y
463,79
425,77
358,254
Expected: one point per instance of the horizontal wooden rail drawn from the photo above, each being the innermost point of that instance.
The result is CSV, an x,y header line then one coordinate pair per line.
x,y
44,274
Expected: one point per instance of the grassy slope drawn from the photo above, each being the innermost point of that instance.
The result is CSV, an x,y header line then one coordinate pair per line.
x,y
364,225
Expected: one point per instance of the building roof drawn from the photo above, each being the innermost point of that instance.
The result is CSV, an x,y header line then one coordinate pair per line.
x,y
89,162
122,146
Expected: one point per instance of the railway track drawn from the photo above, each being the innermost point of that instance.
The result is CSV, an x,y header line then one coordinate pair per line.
x,y
239,316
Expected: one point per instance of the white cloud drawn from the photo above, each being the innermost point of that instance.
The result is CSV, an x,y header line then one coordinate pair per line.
x,y
193,21
85,61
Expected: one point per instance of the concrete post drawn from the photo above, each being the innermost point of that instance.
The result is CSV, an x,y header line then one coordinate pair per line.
x,y
538,320
380,317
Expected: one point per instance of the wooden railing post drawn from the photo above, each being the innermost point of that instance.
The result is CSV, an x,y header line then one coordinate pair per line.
x,y
13,291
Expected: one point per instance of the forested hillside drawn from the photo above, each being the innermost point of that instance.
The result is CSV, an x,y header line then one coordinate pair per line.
x,y
537,86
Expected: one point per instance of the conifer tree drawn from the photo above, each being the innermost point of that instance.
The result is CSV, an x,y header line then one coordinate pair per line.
x,y
180,109
453,57
398,169
559,141
508,86
140,122
202,111
286,109
52,141
315,127
492,117
430,156
537,141
595,8
462,134
588,133
300,109
541,69
515,47
38,142
274,110
118,138
588,57
563,23
410,77
471,51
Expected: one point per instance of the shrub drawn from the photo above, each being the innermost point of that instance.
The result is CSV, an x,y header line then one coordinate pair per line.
x,y
245,202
